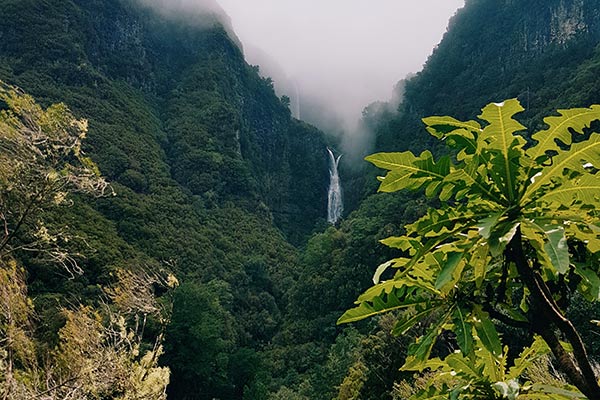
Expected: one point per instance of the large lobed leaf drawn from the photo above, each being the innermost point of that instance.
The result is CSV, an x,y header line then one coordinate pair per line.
x,y
560,128
492,187
579,158
579,191
383,302
505,147
408,171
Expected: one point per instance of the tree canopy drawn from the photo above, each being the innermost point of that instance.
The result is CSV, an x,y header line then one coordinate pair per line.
x,y
98,349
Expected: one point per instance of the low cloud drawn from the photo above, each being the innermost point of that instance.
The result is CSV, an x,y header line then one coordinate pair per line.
x,y
184,7
198,13
340,55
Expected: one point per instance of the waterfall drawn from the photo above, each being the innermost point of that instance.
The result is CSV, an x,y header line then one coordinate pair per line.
x,y
334,196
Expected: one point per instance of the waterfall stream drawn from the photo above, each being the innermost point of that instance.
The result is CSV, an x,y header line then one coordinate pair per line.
x,y
335,206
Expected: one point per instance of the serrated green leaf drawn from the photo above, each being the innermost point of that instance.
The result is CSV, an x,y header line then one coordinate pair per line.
x,y
584,230
486,225
468,180
487,333
463,330
500,137
418,352
437,222
501,236
557,249
372,305
570,393
567,346
446,192
512,313
447,273
574,193
535,234
479,261
408,171
407,321
379,289
578,155
441,126
537,349
394,181
402,242
560,128
590,284
463,366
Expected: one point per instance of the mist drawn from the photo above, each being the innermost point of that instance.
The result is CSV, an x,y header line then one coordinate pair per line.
x,y
184,7
203,14
341,55
332,58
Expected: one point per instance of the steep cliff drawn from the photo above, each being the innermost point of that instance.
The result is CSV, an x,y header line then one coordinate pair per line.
x,y
534,50
221,128
212,175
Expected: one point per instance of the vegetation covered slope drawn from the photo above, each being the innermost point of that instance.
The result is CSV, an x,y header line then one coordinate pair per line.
x,y
212,176
204,159
544,53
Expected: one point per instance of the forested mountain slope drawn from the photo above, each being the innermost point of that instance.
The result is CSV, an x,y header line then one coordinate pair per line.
x,y
215,179
212,176
164,69
543,52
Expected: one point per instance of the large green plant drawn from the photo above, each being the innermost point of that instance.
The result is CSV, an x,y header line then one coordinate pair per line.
x,y
511,209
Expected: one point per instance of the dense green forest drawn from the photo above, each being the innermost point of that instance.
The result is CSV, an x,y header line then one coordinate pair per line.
x,y
209,248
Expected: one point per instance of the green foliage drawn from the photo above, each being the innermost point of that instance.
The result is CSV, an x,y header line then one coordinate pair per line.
x,y
200,339
498,194
98,350
40,165
207,164
379,356
165,105
99,353
487,375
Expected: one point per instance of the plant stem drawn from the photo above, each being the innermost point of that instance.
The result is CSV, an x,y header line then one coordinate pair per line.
x,y
549,314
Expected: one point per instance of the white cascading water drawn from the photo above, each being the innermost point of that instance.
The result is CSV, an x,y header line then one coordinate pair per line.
x,y
335,206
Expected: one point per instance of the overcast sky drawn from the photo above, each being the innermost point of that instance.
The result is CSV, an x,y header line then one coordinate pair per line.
x,y
349,52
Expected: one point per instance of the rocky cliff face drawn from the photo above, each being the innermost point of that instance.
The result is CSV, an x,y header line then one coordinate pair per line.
x,y
213,177
537,51
205,114
555,23
567,21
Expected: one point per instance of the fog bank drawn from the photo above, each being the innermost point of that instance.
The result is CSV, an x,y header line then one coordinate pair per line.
x,y
183,7
332,58
341,54
197,13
